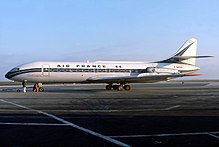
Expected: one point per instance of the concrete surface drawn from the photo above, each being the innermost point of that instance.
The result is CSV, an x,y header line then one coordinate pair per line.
x,y
170,113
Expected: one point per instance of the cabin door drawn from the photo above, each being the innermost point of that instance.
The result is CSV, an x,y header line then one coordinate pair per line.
x,y
46,70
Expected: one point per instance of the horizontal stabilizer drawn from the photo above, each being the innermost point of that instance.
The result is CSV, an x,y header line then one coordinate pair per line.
x,y
189,57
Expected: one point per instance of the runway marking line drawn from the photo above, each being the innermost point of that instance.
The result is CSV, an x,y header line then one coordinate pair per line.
x,y
173,107
213,135
71,124
166,135
33,124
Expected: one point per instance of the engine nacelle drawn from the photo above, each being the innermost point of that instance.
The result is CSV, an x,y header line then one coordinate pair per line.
x,y
161,70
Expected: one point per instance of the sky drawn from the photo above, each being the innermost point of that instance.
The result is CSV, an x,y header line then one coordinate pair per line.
x,y
91,30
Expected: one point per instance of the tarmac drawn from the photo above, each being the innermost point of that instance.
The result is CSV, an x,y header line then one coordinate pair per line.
x,y
158,114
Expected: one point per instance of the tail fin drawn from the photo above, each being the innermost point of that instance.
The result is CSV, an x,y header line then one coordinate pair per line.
x,y
186,54
187,50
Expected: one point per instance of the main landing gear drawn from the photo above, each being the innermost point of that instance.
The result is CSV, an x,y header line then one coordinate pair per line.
x,y
118,87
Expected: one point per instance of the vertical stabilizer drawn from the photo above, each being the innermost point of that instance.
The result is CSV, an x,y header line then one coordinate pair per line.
x,y
186,54
188,50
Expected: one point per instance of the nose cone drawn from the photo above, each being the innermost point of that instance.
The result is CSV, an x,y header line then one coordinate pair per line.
x,y
8,75
12,73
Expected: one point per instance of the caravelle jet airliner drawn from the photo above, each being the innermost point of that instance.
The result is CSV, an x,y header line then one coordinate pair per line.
x,y
116,74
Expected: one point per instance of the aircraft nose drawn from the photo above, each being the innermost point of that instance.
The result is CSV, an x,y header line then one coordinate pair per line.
x,y
8,75
12,73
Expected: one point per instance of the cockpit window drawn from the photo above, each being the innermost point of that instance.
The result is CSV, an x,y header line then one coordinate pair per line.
x,y
15,69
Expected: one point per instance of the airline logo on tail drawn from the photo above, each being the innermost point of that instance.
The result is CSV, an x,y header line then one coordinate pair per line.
x,y
186,54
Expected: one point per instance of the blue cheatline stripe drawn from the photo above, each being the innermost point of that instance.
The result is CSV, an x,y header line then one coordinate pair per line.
x,y
9,75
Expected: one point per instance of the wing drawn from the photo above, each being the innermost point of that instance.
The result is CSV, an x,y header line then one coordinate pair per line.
x,y
141,78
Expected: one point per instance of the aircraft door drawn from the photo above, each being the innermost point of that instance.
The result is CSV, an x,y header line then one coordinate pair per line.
x,y
46,70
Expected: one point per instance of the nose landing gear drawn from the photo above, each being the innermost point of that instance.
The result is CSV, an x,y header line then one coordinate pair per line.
x,y
38,87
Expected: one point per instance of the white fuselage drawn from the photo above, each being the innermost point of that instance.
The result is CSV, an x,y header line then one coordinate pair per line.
x,y
81,72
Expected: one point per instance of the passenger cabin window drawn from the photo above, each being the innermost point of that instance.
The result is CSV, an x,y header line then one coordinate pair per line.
x,y
142,71
134,71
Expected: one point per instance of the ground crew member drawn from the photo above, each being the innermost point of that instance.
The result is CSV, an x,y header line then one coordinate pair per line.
x,y
24,83
35,88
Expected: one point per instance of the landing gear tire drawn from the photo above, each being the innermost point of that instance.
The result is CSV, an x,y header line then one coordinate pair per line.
x,y
115,87
108,87
120,88
41,89
127,87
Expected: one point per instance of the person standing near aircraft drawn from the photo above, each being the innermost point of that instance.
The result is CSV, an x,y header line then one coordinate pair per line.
x,y
24,83
35,88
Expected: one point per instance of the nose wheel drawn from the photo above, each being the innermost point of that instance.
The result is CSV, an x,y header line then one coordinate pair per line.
x,y
41,89
38,87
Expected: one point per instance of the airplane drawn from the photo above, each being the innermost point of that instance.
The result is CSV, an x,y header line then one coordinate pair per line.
x,y
116,74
